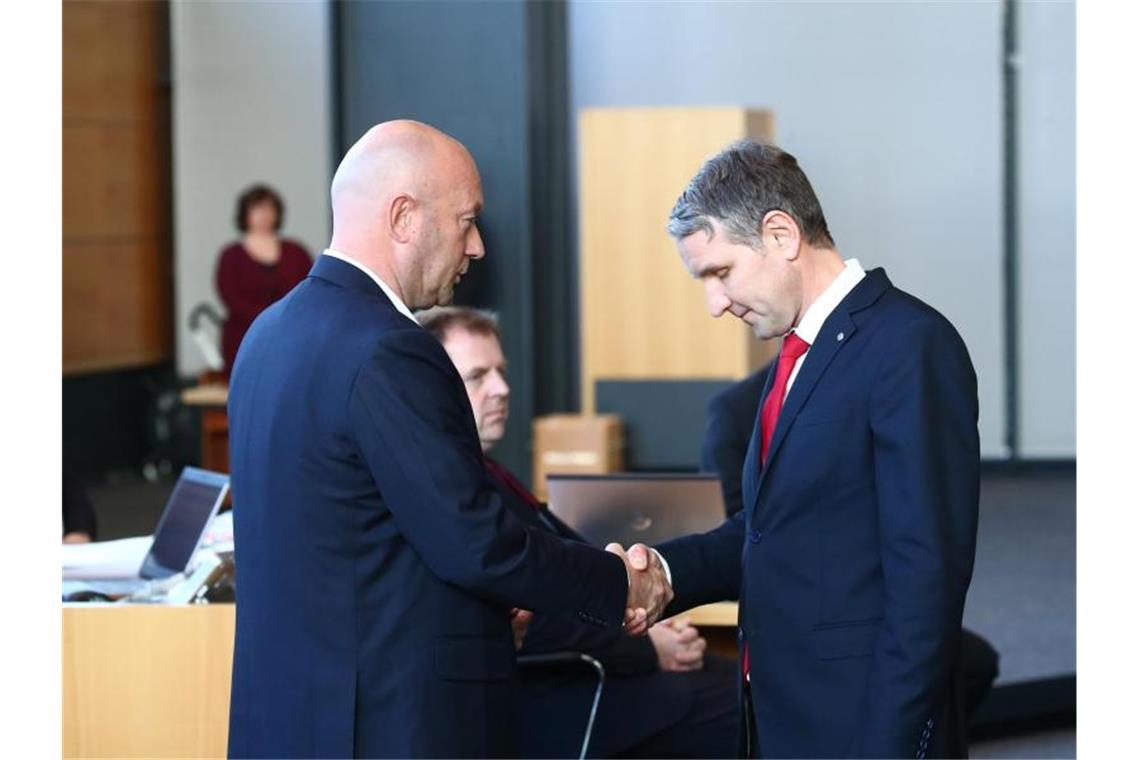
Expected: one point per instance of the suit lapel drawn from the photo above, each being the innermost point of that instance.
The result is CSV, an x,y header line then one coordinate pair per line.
x,y
827,345
752,458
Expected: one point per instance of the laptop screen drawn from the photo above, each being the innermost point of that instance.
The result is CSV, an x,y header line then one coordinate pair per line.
x,y
636,507
195,500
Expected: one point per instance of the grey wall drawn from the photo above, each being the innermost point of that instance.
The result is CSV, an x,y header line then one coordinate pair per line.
x,y
1047,281
251,104
894,110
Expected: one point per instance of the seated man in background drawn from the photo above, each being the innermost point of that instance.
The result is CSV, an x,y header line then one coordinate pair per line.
x,y
730,418
664,697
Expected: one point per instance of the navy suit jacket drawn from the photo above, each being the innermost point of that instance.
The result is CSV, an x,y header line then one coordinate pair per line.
x,y
375,561
854,550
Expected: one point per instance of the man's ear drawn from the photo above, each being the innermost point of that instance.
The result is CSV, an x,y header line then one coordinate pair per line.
x,y
779,231
401,218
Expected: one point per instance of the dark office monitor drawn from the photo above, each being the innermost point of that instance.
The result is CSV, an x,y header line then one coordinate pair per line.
x,y
664,420
195,500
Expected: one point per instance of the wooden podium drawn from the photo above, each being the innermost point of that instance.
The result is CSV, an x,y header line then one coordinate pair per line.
x,y
211,397
146,680
154,681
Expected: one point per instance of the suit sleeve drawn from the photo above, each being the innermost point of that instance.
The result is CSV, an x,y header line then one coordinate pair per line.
x,y
705,566
417,434
924,415
620,654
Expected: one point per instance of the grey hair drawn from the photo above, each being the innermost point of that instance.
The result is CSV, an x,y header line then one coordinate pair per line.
x,y
741,184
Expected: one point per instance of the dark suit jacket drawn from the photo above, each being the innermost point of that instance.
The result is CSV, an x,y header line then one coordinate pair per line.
x,y
855,547
639,700
376,562
729,420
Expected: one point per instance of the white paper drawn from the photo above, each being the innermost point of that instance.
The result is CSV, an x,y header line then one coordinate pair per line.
x,y
219,534
105,559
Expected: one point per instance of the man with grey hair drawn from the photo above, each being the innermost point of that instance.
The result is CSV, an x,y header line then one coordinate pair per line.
x,y
854,549
379,565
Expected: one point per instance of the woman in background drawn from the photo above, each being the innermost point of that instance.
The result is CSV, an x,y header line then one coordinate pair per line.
x,y
258,269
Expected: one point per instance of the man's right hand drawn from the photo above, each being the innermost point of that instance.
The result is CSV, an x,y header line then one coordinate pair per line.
x,y
649,590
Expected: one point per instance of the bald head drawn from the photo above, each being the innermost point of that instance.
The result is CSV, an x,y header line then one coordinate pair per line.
x,y
394,157
404,202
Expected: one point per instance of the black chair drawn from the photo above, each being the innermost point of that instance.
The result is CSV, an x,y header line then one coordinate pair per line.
x,y
562,660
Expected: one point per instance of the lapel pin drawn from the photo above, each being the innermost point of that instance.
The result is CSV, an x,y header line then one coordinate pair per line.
x,y
839,336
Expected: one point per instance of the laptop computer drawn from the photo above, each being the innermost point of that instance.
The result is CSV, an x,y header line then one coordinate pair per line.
x,y
113,567
632,508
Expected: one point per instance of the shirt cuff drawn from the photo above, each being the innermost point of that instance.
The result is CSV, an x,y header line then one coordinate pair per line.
x,y
664,564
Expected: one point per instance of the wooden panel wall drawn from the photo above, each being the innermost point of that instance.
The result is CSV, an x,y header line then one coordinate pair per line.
x,y
643,316
116,180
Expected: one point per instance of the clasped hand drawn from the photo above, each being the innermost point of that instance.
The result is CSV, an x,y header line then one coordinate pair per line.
x,y
649,589
679,646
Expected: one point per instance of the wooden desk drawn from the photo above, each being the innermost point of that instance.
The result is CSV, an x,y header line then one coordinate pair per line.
x,y
206,395
154,681
721,614
146,680
211,398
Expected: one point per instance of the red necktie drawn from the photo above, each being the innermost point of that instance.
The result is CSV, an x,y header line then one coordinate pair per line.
x,y
794,347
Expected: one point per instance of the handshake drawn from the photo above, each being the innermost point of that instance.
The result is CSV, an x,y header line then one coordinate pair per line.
x,y
649,588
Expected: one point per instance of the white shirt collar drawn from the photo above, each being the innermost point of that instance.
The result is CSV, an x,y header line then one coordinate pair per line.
x,y
395,299
812,321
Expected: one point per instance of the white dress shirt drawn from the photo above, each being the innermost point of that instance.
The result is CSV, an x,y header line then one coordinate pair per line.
x,y
395,299
812,320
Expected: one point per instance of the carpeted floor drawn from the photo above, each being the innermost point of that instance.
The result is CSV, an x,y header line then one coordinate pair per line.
x,y
1023,597
1055,743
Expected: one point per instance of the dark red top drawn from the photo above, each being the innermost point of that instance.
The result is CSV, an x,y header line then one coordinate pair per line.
x,y
247,287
